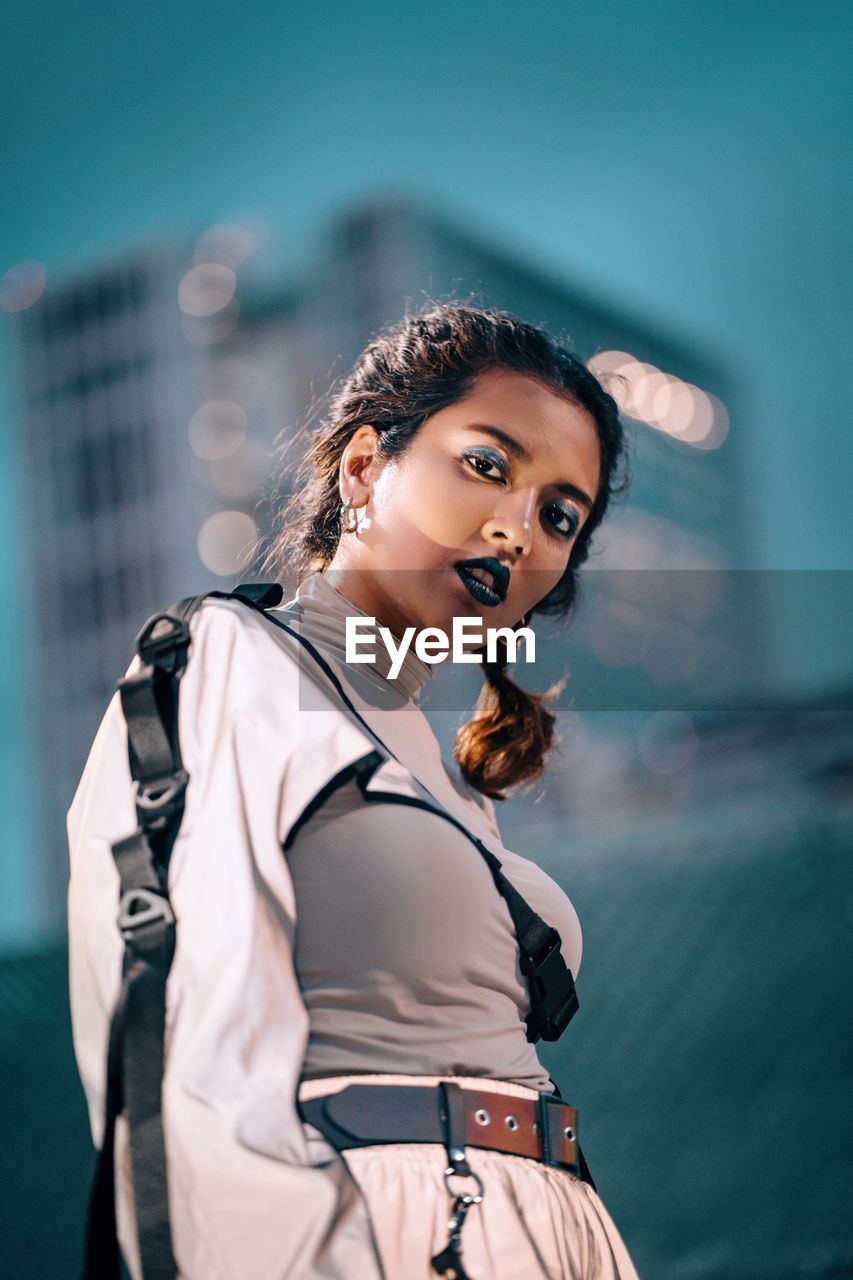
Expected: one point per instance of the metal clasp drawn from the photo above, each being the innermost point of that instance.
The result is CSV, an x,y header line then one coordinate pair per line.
x,y
450,1172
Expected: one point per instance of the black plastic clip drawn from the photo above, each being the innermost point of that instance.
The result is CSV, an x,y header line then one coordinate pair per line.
x,y
140,907
162,635
553,998
264,595
158,802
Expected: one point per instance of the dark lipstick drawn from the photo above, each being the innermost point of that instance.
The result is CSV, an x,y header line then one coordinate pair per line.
x,y
490,593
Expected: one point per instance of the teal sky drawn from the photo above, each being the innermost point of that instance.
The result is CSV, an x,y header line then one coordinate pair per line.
x,y
691,162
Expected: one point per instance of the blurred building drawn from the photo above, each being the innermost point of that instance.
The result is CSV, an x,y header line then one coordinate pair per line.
x,y
697,848
155,387
107,380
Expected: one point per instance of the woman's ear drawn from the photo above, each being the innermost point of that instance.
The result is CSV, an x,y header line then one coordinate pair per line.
x,y
358,464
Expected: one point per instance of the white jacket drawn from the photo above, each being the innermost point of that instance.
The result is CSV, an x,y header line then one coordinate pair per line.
x,y
260,735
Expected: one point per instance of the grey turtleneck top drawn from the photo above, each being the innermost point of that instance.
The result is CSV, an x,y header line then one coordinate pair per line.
x,y
405,951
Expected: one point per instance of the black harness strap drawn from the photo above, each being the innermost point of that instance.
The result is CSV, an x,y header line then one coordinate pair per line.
x,y
135,1058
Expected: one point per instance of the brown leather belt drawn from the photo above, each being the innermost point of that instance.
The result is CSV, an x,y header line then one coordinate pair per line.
x,y
361,1115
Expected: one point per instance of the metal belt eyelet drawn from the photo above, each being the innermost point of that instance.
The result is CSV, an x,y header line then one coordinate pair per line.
x,y
569,1133
482,1116
511,1123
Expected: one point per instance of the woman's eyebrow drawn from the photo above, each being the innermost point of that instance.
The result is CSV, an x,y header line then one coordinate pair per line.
x,y
518,450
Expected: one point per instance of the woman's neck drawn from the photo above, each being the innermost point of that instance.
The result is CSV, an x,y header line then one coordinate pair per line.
x,y
322,610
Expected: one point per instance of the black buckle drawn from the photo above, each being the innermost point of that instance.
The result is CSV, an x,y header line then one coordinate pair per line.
x,y
139,907
265,595
553,999
175,636
545,1135
158,802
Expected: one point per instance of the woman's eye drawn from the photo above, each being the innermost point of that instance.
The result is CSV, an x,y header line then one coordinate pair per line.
x,y
565,520
488,460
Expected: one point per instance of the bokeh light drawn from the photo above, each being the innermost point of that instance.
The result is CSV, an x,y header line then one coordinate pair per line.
x,y
22,285
667,404
648,389
680,410
605,362
720,426
217,430
223,541
701,420
627,385
206,289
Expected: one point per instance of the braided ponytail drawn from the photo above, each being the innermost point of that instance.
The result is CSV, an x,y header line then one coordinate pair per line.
x,y
507,740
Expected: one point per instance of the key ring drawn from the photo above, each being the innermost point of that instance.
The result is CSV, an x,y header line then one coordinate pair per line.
x,y
449,1262
464,1196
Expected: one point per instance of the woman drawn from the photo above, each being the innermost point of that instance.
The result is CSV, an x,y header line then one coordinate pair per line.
x,y
384,950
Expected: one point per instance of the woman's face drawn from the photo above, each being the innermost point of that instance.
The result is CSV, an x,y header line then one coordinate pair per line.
x,y
508,473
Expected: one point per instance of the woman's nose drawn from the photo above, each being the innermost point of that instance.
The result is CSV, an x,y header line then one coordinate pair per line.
x,y
511,530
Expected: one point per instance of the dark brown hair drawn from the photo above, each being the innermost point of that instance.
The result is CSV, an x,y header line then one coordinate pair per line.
x,y
407,373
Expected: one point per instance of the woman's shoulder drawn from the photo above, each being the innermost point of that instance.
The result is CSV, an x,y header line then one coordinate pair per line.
x,y
228,619
230,641
249,668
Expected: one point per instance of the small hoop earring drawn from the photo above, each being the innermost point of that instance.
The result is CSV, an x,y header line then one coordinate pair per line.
x,y
345,514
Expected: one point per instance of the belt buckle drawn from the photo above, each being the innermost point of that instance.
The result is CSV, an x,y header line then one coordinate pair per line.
x,y
566,1134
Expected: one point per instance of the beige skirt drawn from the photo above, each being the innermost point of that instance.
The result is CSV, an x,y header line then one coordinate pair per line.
x,y
534,1223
